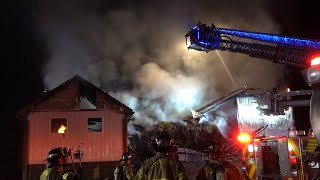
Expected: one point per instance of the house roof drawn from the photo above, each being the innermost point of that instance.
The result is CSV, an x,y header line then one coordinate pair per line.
x,y
22,113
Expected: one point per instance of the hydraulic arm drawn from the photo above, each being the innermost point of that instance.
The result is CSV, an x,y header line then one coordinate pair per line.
x,y
279,49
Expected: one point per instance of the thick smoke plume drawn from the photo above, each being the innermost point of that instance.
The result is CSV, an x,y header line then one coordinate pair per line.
x,y
135,51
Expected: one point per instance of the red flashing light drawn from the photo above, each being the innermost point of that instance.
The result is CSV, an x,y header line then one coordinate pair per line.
x,y
315,61
293,160
243,158
244,138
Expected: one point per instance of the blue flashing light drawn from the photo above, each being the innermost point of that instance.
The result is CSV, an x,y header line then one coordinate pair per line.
x,y
206,44
272,38
198,33
199,48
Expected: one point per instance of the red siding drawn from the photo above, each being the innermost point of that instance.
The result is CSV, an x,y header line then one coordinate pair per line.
x,y
98,146
64,99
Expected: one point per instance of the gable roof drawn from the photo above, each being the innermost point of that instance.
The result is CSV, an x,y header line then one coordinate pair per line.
x,y
23,112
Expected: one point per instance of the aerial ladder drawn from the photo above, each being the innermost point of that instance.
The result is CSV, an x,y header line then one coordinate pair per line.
x,y
298,52
279,49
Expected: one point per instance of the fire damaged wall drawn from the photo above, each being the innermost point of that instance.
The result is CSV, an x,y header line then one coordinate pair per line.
x,y
251,117
247,113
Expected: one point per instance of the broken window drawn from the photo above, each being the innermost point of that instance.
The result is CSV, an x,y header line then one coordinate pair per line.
x,y
94,124
87,96
59,125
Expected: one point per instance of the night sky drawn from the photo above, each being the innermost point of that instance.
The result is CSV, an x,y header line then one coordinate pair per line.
x,y
31,31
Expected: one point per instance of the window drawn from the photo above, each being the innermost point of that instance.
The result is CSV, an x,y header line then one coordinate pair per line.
x,y
58,125
94,124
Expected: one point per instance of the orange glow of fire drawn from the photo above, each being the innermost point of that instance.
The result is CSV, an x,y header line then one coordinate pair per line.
x,y
62,129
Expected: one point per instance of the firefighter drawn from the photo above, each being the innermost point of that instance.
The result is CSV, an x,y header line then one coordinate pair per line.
x,y
218,168
193,38
57,157
124,170
162,166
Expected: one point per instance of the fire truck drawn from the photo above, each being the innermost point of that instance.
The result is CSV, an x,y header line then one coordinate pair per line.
x,y
296,155
292,157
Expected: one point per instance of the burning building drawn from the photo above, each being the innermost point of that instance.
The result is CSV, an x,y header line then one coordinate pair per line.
x,y
79,116
247,110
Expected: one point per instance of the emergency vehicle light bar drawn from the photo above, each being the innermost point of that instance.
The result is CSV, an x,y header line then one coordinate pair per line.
x,y
315,61
244,138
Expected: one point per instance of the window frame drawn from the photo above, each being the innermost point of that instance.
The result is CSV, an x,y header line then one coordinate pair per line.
x,y
67,125
87,124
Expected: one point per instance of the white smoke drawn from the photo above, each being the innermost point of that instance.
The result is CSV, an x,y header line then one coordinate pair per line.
x,y
137,52
219,120
132,130
162,96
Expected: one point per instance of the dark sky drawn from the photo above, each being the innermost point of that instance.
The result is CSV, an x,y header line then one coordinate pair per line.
x,y
26,49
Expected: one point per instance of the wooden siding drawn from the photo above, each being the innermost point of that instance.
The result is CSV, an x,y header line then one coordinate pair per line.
x,y
67,98
103,103
98,146
64,99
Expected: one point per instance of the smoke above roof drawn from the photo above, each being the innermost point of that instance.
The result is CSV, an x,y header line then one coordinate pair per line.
x,y
136,52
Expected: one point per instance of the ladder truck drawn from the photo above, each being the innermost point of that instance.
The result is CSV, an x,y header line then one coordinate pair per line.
x,y
295,156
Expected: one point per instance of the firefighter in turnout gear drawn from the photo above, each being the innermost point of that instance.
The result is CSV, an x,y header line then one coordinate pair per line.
x,y
162,166
57,157
124,170
217,168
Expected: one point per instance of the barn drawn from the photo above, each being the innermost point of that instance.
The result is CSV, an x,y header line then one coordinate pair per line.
x,y
79,116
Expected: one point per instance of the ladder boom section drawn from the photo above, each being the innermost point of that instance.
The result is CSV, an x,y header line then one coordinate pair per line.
x,y
279,49
251,49
271,38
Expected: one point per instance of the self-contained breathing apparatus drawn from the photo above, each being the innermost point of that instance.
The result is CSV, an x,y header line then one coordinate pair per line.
x,y
78,154
119,172
70,172
215,152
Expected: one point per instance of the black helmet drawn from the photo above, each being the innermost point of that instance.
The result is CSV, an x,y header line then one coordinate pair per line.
x,y
159,141
126,156
216,148
57,152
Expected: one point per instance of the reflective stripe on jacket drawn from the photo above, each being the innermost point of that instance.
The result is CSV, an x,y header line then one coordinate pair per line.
x,y
68,176
51,174
161,167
